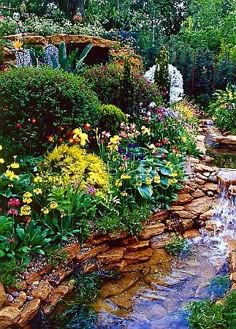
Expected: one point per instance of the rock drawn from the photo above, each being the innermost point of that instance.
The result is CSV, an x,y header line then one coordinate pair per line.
x,y
10,298
37,275
200,176
118,235
128,241
198,194
159,216
20,300
203,168
187,189
176,208
3,295
60,292
91,253
207,215
152,230
190,234
210,226
210,187
183,199
71,251
199,206
96,239
111,256
89,267
187,224
200,181
184,214
233,261
233,277
119,266
116,287
159,242
138,256
139,245
210,193
227,141
8,317
42,291
29,311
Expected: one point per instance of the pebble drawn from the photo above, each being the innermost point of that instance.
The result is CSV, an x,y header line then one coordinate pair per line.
x,y
10,298
15,294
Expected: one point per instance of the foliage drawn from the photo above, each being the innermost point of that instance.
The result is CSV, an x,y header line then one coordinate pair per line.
x,y
37,104
111,118
71,165
223,108
219,286
108,81
178,246
8,272
87,287
162,73
208,315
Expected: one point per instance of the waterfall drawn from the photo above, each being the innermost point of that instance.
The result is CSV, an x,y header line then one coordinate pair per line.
x,y
176,82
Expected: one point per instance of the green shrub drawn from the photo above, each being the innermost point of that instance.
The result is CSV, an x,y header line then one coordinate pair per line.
x,y
36,104
223,108
111,118
177,246
108,81
208,315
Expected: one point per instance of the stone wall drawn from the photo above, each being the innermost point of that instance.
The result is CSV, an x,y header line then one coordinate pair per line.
x,y
41,289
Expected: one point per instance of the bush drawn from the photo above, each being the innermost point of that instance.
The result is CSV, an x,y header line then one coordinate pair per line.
x,y
223,108
111,118
108,81
36,104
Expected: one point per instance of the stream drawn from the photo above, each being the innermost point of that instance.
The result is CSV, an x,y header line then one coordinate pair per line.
x,y
154,294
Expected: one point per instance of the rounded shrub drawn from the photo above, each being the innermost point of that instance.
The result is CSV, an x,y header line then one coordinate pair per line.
x,y
70,165
111,118
108,82
35,104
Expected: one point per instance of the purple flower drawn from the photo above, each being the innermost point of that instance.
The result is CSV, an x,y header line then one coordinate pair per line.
x,y
91,190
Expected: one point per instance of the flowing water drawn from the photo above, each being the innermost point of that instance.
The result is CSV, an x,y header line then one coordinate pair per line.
x,y
154,294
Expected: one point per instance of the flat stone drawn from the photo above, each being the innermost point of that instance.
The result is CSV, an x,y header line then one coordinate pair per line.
x,y
3,295
176,208
8,317
187,223
210,187
187,189
190,234
42,291
210,225
159,216
185,214
37,275
138,256
111,256
116,287
119,266
183,199
139,245
198,194
91,253
207,215
159,242
29,311
228,141
203,168
71,251
152,230
20,300
199,206
233,277
128,241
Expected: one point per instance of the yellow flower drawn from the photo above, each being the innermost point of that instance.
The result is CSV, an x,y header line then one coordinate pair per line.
x,y
138,184
114,142
148,181
115,139
14,165
27,200
124,193
45,211
37,191
25,211
146,131
83,138
118,183
0,147
53,205
157,179
183,139
38,179
124,176
174,174
27,195
17,44
2,160
10,175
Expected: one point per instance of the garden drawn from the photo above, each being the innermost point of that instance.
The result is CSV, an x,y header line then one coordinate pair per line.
x,y
113,119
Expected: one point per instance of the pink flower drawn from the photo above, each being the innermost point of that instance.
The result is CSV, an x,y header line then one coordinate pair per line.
x,y
91,190
13,202
13,212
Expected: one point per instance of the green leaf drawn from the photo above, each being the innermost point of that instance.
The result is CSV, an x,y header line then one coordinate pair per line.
x,y
164,182
2,253
166,171
145,191
20,232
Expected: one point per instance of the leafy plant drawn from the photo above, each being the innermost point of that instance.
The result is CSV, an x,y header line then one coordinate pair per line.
x,y
111,118
49,101
87,287
178,246
219,286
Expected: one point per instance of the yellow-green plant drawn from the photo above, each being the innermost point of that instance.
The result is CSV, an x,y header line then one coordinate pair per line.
x,y
71,165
